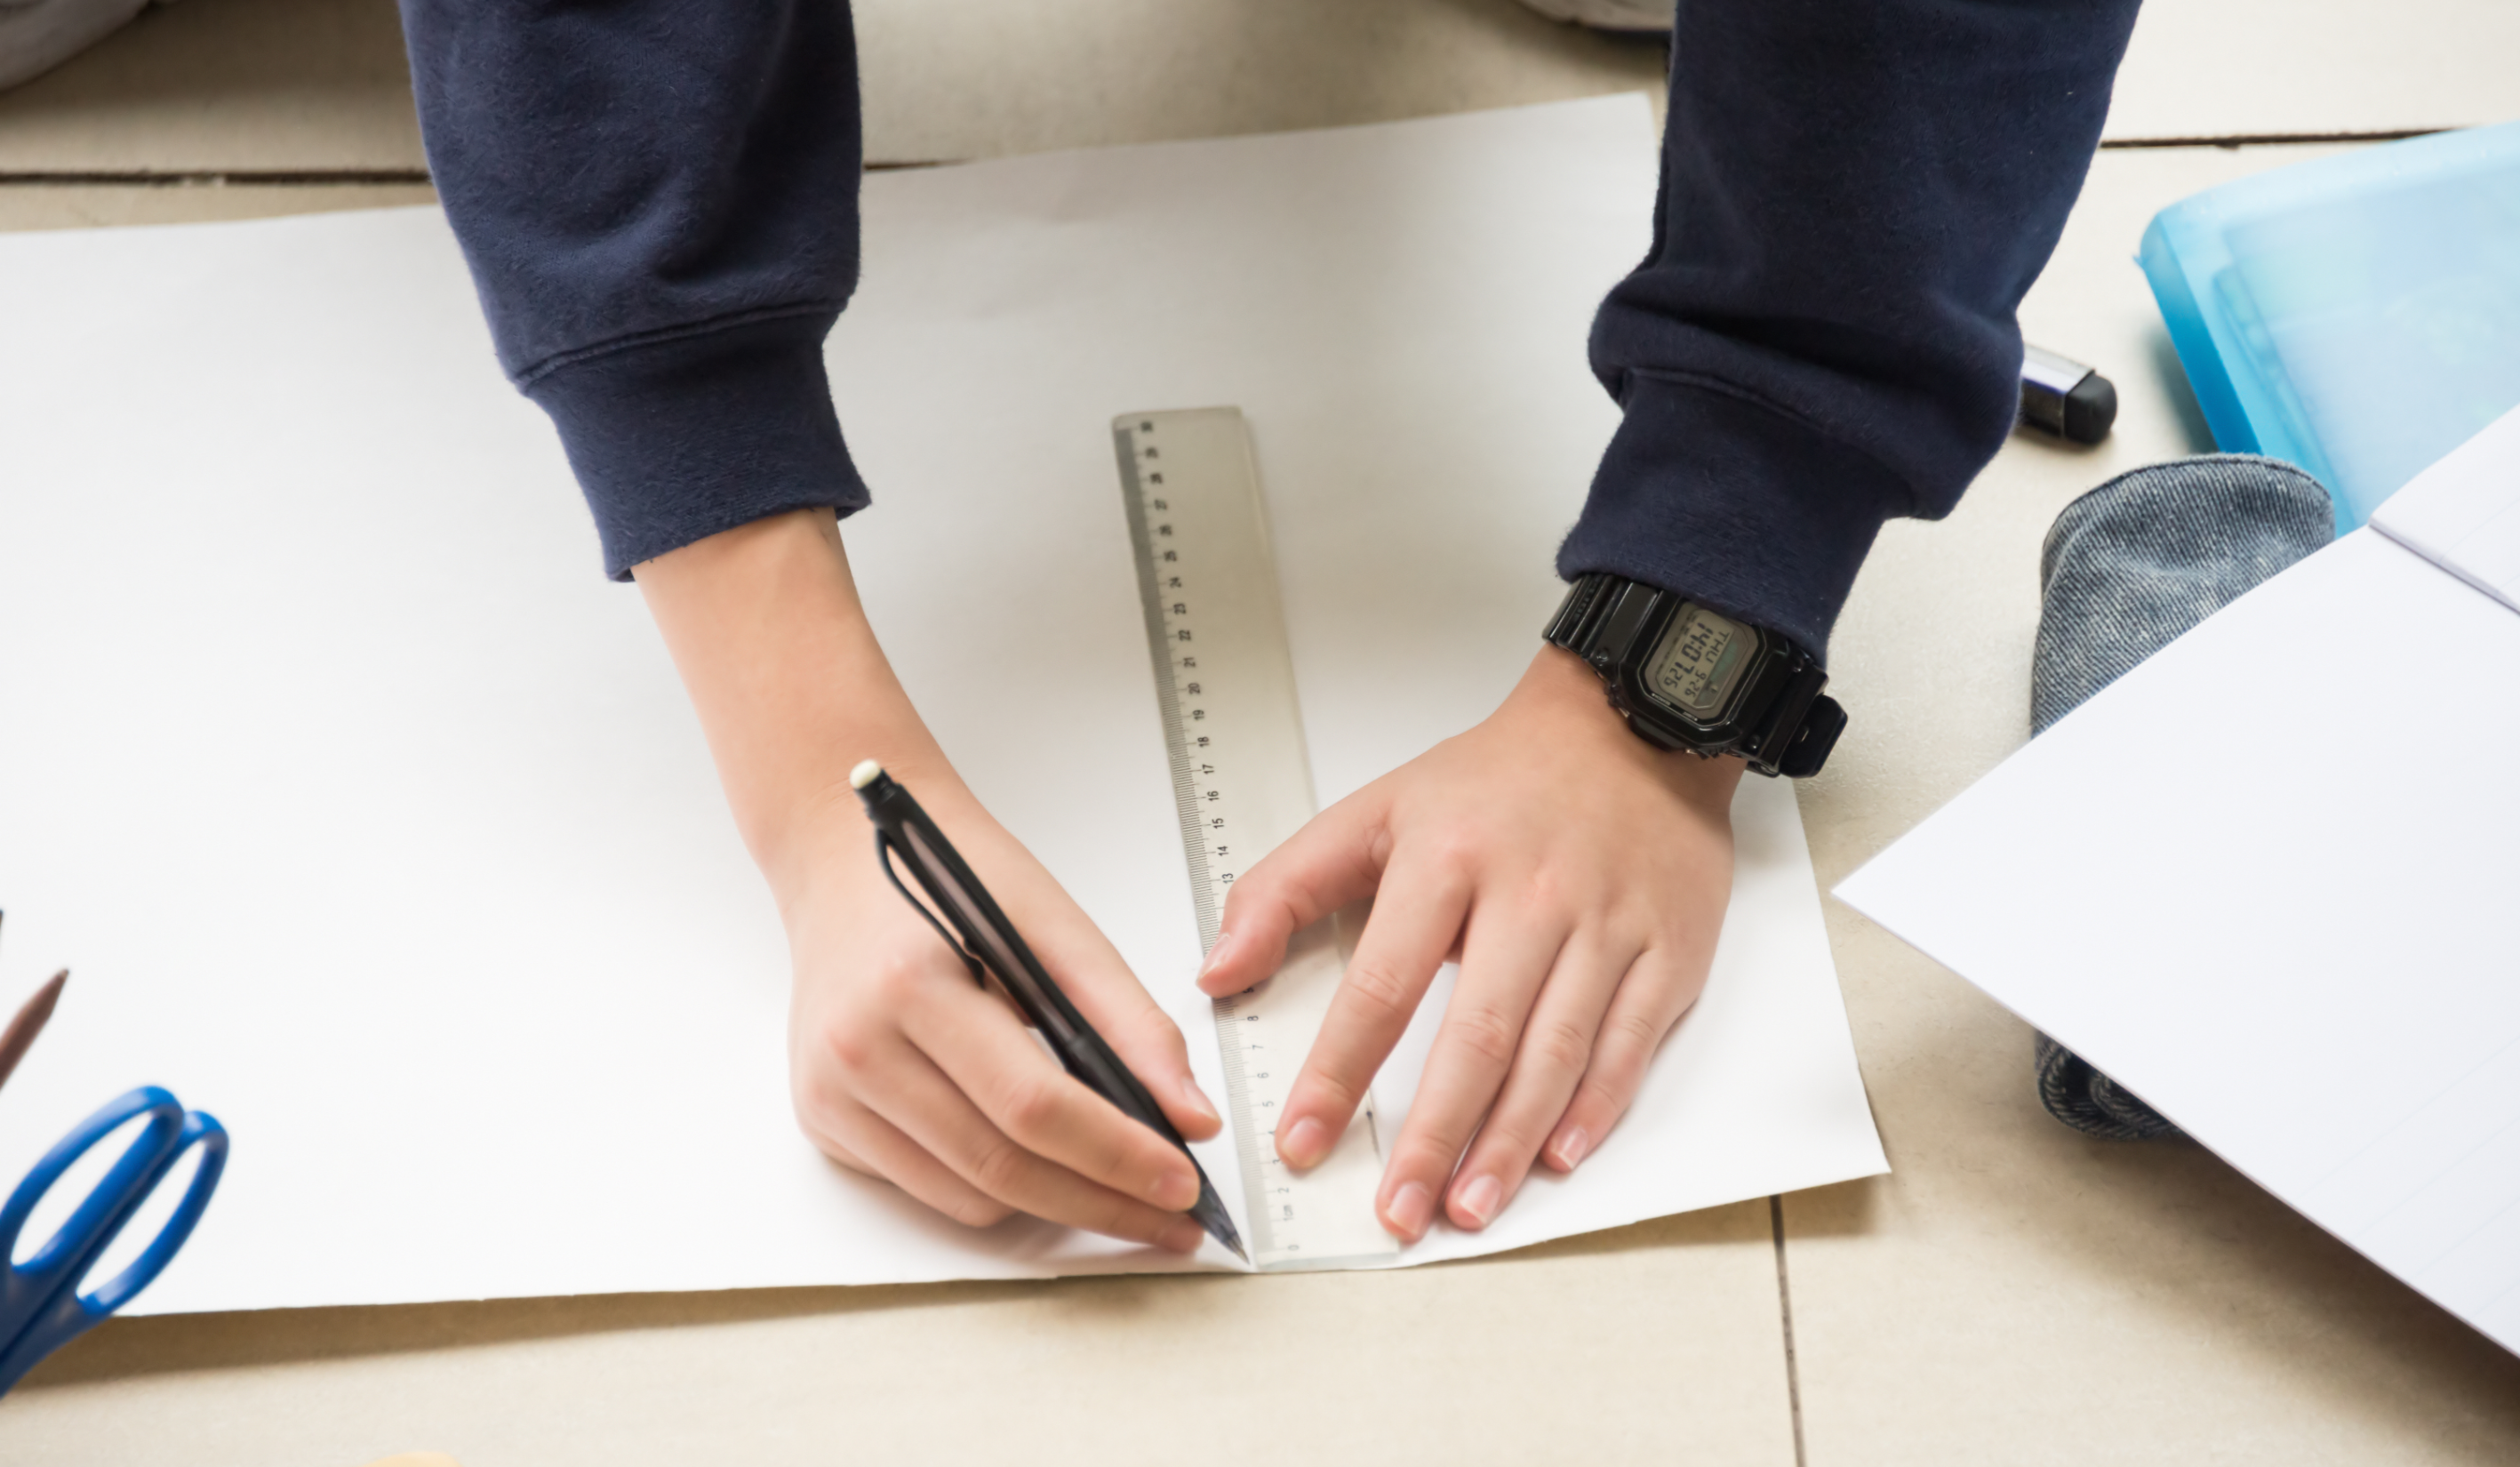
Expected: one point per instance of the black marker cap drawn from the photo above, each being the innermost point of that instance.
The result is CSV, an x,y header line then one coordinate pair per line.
x,y
2062,396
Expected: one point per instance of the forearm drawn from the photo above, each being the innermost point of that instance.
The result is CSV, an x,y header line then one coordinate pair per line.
x,y
765,625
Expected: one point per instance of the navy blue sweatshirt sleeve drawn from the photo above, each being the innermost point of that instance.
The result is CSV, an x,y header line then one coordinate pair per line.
x,y
659,204
1855,197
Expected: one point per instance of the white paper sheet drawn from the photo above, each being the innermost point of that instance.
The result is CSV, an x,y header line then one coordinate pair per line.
x,y
2266,882
373,819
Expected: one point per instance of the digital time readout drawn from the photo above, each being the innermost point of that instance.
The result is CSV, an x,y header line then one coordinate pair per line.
x,y
1699,664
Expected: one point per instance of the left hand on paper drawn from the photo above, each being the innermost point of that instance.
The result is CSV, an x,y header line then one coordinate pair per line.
x,y
1579,877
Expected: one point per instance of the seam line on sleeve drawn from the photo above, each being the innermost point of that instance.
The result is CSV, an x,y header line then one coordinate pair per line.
x,y
1739,393
663,334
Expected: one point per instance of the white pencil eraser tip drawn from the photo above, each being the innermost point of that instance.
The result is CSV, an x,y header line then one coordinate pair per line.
x,y
866,773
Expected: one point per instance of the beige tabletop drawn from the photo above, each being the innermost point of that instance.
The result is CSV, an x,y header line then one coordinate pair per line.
x,y
2011,1294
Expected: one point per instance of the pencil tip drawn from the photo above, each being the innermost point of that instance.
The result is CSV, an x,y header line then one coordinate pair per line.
x,y
29,1021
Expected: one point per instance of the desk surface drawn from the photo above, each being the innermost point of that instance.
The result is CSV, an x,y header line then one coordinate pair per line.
x,y
2012,1292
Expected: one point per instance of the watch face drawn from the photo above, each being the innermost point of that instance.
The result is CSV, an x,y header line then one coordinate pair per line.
x,y
1701,663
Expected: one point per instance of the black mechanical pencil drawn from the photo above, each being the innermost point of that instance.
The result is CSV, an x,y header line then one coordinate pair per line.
x,y
988,941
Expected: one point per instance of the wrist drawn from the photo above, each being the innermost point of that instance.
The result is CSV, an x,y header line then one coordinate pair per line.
x,y
1563,689
765,627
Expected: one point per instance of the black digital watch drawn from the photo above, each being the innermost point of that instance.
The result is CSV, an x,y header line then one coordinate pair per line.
x,y
1685,676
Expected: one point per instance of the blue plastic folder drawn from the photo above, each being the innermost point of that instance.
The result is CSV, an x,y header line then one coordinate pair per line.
x,y
2358,315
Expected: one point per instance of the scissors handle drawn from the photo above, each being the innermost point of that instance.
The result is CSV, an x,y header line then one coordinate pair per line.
x,y
41,1308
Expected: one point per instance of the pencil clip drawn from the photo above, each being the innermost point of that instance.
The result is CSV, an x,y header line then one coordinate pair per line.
x,y
883,858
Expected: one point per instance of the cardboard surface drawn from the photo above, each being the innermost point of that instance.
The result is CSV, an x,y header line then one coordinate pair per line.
x,y
1629,1349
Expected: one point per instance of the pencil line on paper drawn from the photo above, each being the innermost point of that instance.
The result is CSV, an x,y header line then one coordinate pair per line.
x,y
1785,1309
2412,1111
2270,138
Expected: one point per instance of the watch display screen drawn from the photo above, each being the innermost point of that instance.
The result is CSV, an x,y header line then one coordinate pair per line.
x,y
1700,662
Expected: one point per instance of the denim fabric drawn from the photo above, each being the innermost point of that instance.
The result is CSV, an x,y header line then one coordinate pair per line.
x,y
2127,568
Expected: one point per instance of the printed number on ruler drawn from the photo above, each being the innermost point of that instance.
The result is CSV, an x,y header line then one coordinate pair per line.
x,y
1242,783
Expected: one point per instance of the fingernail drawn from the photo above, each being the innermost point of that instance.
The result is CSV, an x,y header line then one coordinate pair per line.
x,y
1196,1098
1304,1142
1176,1192
1182,1237
1571,1148
1480,1199
1410,1209
1217,954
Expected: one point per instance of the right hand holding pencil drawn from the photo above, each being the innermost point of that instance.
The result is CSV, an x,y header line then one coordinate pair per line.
x,y
900,1066
905,1068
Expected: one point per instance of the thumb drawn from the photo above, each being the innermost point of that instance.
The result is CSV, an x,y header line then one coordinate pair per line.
x,y
1335,859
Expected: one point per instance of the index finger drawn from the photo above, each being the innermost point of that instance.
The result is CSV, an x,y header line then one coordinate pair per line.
x,y
1091,972
1406,940
991,1058
1097,980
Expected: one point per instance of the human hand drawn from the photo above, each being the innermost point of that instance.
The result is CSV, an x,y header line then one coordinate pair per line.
x,y
903,1067
899,1065
1578,874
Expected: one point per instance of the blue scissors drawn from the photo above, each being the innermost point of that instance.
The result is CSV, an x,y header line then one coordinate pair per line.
x,y
41,1305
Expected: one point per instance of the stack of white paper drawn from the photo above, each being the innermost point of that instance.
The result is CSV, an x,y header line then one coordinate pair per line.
x,y
2266,882
373,819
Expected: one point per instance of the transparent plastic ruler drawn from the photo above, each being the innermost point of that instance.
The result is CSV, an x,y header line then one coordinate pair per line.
x,y
1243,783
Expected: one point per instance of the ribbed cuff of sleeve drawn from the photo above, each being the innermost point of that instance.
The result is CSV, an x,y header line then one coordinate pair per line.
x,y
675,439
1718,498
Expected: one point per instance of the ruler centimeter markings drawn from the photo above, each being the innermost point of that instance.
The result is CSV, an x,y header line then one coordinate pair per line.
x,y
1242,783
